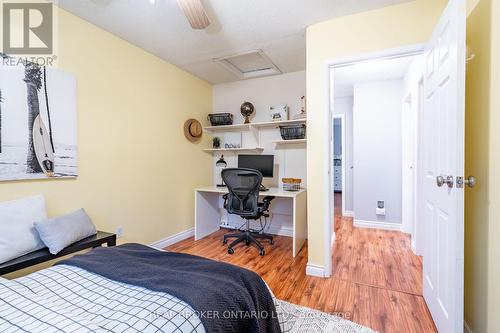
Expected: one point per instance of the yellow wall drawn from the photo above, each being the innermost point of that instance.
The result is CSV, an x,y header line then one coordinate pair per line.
x,y
477,137
389,27
136,169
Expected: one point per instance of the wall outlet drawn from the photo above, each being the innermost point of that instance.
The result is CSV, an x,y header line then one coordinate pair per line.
x,y
380,208
119,232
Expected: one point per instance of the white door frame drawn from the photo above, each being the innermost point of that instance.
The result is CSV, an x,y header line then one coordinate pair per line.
x,y
329,96
413,104
419,211
341,116
409,130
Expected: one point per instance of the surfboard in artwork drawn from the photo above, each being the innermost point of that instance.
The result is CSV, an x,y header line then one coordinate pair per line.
x,y
43,147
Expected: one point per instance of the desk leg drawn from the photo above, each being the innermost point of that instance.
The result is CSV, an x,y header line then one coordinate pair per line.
x,y
299,222
207,214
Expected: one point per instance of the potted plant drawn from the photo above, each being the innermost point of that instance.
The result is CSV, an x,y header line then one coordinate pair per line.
x,y
216,142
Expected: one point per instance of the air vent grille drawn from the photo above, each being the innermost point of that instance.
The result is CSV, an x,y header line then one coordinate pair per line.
x,y
249,64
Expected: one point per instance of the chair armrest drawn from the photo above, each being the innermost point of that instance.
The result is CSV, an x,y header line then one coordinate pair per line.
x,y
266,202
225,196
268,198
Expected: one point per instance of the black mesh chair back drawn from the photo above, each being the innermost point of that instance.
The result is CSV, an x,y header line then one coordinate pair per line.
x,y
243,186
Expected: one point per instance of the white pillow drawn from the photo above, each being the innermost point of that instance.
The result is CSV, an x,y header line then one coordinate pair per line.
x,y
62,231
18,235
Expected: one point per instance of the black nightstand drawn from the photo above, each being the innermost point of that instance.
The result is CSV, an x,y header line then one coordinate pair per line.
x,y
44,255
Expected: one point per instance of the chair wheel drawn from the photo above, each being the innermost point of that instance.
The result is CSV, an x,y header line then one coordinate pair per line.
x,y
247,243
230,250
262,252
224,241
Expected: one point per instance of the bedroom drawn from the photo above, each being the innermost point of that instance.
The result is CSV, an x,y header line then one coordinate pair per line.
x,y
135,89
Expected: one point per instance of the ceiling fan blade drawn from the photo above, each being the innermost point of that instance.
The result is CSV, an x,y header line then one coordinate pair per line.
x,y
195,13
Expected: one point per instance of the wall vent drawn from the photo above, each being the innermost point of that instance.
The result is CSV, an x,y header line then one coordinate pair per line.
x,y
249,65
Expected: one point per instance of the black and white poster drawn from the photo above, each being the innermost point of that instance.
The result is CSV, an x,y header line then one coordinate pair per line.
x,y
38,123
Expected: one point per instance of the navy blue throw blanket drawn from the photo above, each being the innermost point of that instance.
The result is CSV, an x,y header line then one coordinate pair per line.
x,y
236,299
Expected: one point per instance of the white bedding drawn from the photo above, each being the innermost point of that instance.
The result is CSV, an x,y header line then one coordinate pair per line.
x,y
69,299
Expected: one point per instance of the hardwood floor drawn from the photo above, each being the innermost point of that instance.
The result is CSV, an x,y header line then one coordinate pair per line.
x,y
376,279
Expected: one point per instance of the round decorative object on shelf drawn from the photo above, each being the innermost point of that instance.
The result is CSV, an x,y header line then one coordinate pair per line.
x,y
247,109
193,130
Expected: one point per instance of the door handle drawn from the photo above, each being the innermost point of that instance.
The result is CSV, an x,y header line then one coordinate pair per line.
x,y
469,181
440,181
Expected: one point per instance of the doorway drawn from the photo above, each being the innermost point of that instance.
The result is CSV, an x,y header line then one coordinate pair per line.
x,y
339,164
441,195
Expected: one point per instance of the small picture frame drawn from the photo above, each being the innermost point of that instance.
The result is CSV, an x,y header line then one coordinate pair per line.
x,y
232,140
278,112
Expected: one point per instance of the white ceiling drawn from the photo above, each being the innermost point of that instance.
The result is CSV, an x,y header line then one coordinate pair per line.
x,y
389,69
275,26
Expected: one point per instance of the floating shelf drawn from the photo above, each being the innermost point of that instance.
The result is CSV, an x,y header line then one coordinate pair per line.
x,y
247,127
286,142
212,150
228,128
276,124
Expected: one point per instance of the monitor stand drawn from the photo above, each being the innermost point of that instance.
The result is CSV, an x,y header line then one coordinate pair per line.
x,y
263,188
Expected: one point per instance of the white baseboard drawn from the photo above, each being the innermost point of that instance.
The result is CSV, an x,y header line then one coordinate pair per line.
x,y
348,213
378,225
315,270
170,240
467,328
280,231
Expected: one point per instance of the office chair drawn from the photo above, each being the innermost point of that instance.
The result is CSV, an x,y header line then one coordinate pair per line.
x,y
243,186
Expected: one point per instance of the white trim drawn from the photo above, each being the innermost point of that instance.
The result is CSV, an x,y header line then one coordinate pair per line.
x,y
378,225
406,111
328,170
171,240
419,213
348,213
280,231
329,65
315,270
467,328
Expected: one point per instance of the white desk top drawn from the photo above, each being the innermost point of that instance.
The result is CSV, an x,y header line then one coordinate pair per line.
x,y
273,191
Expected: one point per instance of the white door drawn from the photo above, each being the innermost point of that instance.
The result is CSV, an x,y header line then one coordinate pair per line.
x,y
443,156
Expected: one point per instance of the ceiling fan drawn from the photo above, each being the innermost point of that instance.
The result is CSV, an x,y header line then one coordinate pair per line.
x,y
193,9
195,13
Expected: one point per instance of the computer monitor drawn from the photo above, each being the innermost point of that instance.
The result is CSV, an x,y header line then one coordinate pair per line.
x,y
263,163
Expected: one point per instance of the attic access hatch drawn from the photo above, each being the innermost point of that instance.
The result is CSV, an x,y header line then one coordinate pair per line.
x,y
249,64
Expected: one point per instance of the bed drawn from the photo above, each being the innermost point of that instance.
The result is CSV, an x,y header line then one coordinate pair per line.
x,y
68,298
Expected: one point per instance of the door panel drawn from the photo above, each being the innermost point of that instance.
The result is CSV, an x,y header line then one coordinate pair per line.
x,y
443,155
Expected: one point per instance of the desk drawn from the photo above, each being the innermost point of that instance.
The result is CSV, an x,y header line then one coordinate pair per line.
x,y
207,212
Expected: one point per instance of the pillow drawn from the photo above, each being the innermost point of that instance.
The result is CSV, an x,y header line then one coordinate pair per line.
x,y
17,233
59,232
